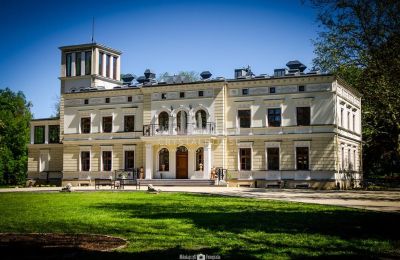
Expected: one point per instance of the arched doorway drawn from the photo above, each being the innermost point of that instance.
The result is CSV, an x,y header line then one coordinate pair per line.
x,y
182,163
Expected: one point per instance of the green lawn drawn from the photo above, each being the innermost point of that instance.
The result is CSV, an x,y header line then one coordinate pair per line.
x,y
165,225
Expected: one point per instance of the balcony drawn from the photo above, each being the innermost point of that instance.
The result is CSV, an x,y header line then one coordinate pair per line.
x,y
188,129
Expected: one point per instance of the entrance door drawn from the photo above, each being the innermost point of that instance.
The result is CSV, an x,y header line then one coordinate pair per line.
x,y
182,163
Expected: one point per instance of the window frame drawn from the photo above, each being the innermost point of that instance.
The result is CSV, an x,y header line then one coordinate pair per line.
x,y
68,64
167,164
35,135
239,120
78,63
57,140
128,159
125,123
247,156
114,62
103,124
297,158
88,62
82,126
81,164
105,162
274,115
268,159
308,121
245,91
101,56
199,153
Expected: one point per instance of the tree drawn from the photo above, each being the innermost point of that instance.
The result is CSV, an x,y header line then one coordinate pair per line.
x,y
56,107
191,75
360,42
15,117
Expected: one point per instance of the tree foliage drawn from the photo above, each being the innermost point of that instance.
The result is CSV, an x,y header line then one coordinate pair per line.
x,y
360,42
15,116
191,75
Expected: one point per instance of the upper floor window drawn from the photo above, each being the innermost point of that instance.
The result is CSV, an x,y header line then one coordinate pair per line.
x,y
101,55
108,57
272,90
301,88
163,160
348,120
78,62
107,160
354,122
341,117
107,100
303,115
129,123
163,96
130,99
107,124
244,117
181,119
85,161
114,67
302,160
88,62
54,134
342,161
68,58
201,93
86,101
349,162
274,117
39,134
245,91
245,159
181,94
273,158
201,119
85,125
200,159
163,120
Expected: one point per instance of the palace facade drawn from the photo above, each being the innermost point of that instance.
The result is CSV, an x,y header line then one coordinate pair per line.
x,y
290,129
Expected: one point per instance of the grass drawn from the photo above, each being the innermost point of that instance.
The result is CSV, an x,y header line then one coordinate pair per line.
x,y
163,226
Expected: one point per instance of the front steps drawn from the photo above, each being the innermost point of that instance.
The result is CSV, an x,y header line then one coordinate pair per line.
x,y
176,182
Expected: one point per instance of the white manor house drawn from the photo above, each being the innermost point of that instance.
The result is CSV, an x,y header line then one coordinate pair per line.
x,y
290,129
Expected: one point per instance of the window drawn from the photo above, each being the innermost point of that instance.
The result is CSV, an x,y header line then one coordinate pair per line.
x,y
39,135
201,119
303,115
130,99
348,120
273,159
181,94
244,117
200,159
245,159
301,88
129,160
107,124
129,123
354,159
341,117
68,68
88,63
245,91
78,61
272,90
86,101
274,117
342,158
163,120
201,93
54,134
163,159
85,125
108,100
302,158
349,160
354,122
85,161
181,119
108,57
101,55
163,96
107,160
114,67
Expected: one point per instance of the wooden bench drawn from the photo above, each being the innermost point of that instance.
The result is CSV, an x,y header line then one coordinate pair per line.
x,y
102,182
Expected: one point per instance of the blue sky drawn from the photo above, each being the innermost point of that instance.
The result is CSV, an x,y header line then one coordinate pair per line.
x,y
166,36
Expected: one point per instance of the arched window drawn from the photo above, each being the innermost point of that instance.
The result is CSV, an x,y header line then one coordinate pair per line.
x,y
181,121
163,120
201,119
200,159
163,159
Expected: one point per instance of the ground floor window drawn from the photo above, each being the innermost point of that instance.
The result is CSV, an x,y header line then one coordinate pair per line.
x,y
163,159
107,160
273,159
129,160
85,161
200,159
302,159
245,159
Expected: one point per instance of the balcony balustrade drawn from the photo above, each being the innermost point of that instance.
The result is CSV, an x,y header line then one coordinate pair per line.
x,y
183,129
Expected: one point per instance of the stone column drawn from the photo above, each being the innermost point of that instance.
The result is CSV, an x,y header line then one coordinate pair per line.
x,y
191,161
207,160
46,134
149,161
32,134
172,161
